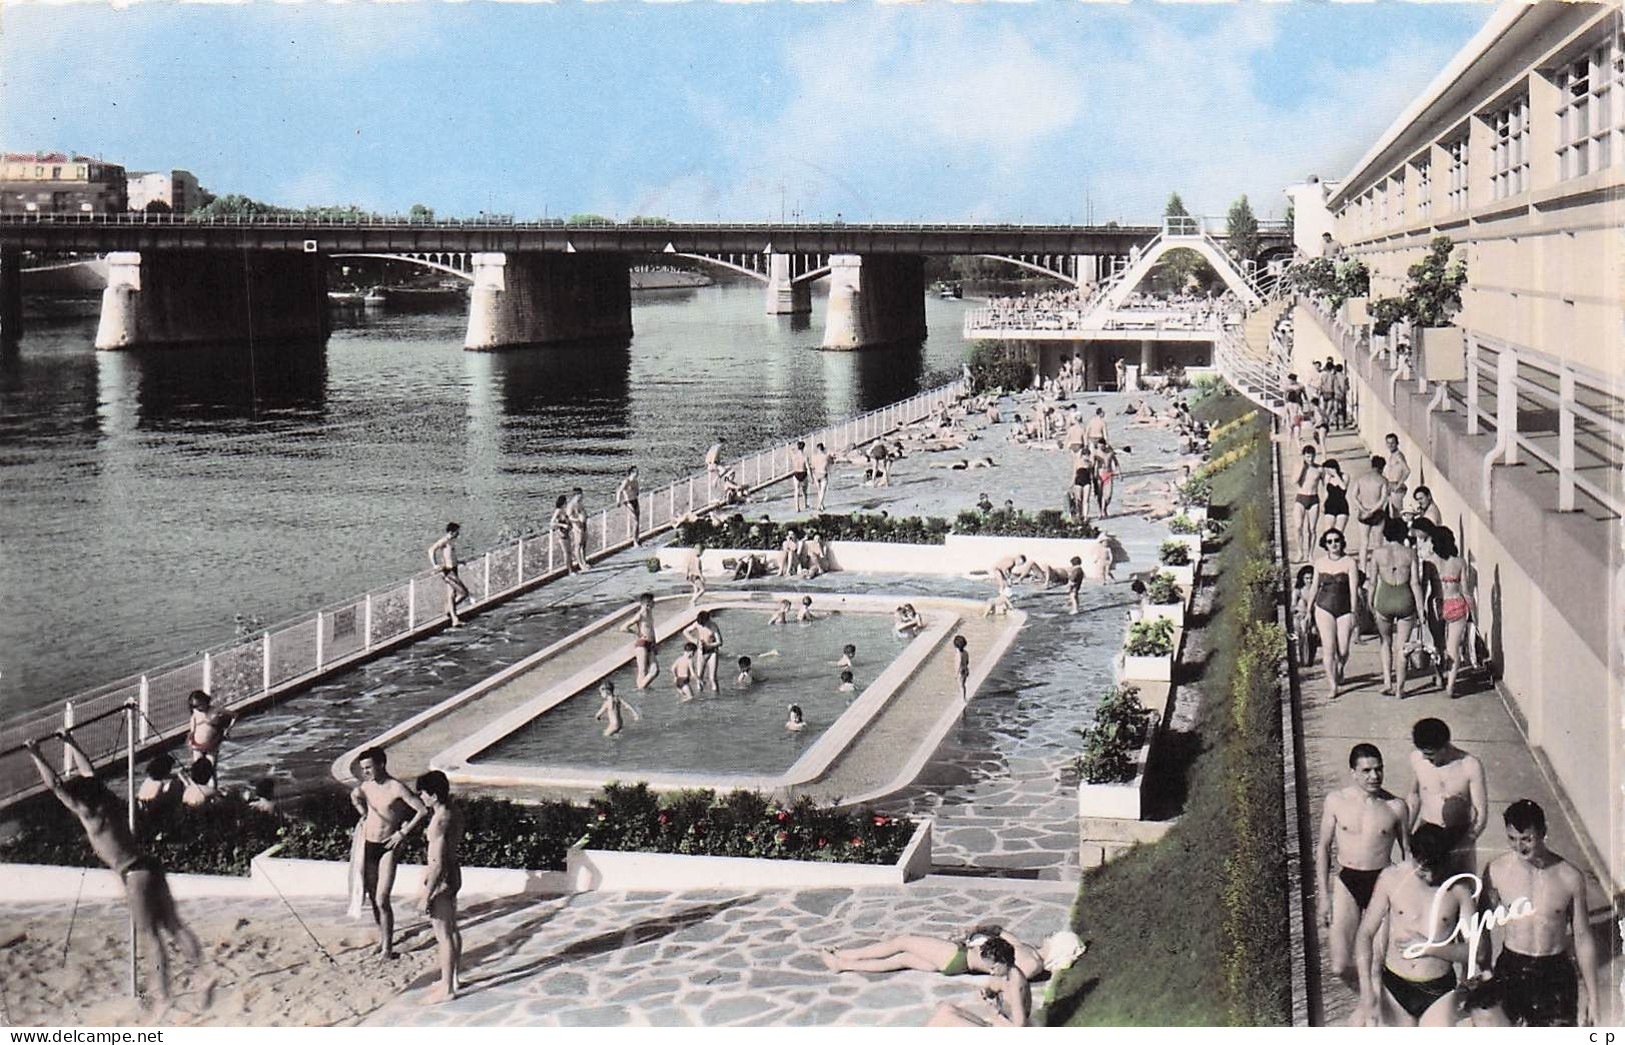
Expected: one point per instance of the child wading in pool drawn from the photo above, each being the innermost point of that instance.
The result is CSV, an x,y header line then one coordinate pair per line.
x,y
849,652
847,685
611,710
805,613
795,723
782,614
962,666
682,673
745,678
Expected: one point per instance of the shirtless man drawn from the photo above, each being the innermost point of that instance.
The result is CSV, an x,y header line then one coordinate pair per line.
x,y
207,730
818,466
694,573
379,799
1006,568
1397,469
627,496
1368,497
1425,506
1363,821
798,475
1540,952
713,470
1095,431
1448,790
1420,988
103,817
442,878
642,627
1306,499
576,512
443,557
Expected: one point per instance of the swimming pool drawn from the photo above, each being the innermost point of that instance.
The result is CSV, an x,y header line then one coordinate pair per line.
x,y
737,730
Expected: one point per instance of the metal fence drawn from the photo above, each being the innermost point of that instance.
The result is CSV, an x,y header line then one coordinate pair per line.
x,y
1566,416
297,652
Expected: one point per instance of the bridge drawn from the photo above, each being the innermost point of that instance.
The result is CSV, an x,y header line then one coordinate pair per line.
x,y
172,279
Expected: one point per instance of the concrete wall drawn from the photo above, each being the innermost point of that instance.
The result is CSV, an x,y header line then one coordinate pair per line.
x,y
536,299
190,296
1541,580
876,299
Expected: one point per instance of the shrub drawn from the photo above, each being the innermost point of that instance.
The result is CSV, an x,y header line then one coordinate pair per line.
x,y
1197,489
993,365
1174,553
1184,525
735,532
742,823
1385,312
1121,726
1163,590
652,564
1150,638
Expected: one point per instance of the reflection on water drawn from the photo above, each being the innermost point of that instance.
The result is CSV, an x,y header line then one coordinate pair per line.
x,y
150,496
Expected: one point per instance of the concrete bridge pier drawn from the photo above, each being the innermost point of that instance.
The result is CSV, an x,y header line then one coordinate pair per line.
x,y
11,298
1088,268
785,297
874,299
538,299
188,296
1148,356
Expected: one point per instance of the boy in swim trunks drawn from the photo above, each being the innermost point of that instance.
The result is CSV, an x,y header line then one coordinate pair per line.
x,y
442,878
208,727
1417,985
962,666
443,557
1363,821
682,673
798,476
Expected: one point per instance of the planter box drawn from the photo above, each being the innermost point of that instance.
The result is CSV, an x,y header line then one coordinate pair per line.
x,y
1114,801
590,869
1196,511
960,554
1147,669
1442,352
1193,541
1183,575
292,877
1174,611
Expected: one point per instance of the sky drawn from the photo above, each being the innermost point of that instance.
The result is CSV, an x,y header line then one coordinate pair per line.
x,y
1043,111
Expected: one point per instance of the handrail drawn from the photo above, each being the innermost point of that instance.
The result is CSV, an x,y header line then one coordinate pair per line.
x,y
1500,364
296,651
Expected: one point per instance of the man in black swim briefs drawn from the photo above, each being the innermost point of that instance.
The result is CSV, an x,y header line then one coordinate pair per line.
x,y
1418,978
383,803
1363,821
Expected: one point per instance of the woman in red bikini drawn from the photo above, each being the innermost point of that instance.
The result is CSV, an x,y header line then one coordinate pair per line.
x,y
1457,608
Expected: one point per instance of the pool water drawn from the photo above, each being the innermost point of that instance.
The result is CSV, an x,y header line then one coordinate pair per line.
x,y
739,730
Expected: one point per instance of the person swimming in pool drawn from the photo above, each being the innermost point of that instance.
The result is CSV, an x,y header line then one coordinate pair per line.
x,y
905,620
796,722
805,613
781,615
707,638
847,685
612,708
744,679
848,653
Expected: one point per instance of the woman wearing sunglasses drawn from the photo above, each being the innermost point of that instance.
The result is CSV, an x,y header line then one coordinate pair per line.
x,y
1337,578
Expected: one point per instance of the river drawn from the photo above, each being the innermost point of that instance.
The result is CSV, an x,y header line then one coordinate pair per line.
x,y
150,498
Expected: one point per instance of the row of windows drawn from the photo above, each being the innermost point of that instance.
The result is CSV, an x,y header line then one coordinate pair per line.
x,y
1590,125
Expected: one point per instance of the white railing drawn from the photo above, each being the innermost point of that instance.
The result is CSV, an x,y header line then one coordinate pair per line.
x,y
1505,387
296,652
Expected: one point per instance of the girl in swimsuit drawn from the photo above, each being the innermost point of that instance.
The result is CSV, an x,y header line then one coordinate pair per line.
x,y
1456,608
642,626
1308,483
1105,474
1396,598
1336,578
1335,512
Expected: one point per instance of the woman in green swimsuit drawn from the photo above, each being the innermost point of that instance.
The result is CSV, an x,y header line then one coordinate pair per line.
x,y
1396,596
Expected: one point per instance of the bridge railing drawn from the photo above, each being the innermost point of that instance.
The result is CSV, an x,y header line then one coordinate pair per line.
x,y
256,667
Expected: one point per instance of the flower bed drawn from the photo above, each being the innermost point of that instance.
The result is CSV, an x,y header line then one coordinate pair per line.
x,y
1165,599
220,839
737,532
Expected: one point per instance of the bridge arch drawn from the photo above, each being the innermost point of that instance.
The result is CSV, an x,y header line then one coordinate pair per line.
x,y
421,260
1033,266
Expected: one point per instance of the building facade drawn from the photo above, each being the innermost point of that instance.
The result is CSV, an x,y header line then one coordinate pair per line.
x,y
177,189
1516,153
60,183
